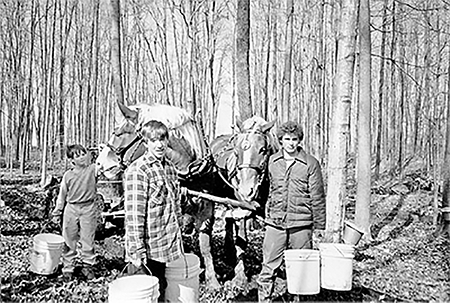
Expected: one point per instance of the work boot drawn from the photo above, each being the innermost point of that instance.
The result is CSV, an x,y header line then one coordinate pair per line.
x,y
67,276
88,272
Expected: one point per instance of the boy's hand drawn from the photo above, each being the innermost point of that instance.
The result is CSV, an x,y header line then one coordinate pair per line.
x,y
132,269
56,219
319,235
136,267
183,191
136,263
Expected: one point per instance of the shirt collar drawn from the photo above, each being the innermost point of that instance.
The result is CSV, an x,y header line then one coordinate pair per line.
x,y
151,159
301,155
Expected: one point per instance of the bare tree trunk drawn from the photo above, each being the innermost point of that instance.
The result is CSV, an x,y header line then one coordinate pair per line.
x,y
378,147
45,142
286,83
265,107
28,106
391,131
425,135
63,37
445,168
242,63
275,106
340,124
437,169
51,87
116,53
362,210
403,92
47,68
91,79
418,93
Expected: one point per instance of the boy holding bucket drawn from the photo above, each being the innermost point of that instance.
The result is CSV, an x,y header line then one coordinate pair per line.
x,y
295,206
76,201
152,208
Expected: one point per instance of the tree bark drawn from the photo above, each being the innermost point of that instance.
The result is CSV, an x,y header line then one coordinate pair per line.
x,y
445,168
286,82
116,54
242,63
378,146
340,124
362,210
26,142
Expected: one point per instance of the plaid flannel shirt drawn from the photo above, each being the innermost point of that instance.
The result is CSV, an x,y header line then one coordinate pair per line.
x,y
152,210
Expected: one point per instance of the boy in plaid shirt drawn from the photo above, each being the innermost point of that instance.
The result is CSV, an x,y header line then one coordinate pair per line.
x,y
152,207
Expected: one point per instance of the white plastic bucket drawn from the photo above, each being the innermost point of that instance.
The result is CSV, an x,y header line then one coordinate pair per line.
x,y
135,288
446,214
182,279
302,271
446,219
352,234
46,253
336,266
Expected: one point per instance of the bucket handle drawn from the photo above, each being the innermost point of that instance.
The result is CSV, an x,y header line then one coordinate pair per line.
x,y
186,271
340,251
305,257
125,267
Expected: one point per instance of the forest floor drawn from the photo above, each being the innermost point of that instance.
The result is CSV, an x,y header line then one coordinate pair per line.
x,y
406,260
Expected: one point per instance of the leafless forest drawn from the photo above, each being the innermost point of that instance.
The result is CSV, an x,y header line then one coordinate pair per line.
x,y
369,81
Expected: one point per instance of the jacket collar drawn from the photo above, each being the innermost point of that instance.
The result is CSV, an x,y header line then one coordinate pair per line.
x,y
301,155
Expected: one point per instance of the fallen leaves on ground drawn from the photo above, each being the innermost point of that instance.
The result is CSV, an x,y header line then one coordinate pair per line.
x,y
404,262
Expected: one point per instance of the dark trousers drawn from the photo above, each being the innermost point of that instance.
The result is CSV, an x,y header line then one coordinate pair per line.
x,y
276,241
158,269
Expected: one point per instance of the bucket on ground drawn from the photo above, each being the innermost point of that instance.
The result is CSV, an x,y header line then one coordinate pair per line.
x,y
45,254
134,289
446,214
352,233
336,269
302,271
183,279
446,219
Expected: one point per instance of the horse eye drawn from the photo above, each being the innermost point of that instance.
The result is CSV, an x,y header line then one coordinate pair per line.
x,y
263,150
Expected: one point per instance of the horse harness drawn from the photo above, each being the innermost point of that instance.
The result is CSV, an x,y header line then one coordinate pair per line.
x,y
260,169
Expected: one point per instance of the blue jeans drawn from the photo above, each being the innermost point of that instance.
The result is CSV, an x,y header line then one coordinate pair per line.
x,y
79,226
276,241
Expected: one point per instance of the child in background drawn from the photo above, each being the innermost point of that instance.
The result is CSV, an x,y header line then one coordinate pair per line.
x,y
76,201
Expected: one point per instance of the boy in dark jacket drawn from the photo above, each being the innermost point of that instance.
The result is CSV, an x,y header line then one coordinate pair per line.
x,y
296,204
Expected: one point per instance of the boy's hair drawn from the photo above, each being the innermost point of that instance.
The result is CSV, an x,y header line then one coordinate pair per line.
x,y
155,130
75,149
290,127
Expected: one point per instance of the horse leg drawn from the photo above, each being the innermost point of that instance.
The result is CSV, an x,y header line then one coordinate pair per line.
x,y
240,279
229,242
205,232
205,249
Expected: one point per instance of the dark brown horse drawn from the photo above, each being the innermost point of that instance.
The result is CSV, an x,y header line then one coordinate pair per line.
x,y
241,160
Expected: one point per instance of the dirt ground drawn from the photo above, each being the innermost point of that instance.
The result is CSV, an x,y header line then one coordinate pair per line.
x,y
405,261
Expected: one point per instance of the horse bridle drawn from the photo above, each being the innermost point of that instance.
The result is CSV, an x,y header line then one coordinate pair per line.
x,y
260,169
120,152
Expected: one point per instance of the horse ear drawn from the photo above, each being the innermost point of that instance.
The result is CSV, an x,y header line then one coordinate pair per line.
x,y
267,126
238,124
128,113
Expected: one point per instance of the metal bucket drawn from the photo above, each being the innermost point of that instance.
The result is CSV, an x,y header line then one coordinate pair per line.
x,y
352,234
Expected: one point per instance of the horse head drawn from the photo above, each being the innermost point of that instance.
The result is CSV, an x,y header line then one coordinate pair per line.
x,y
126,145
245,157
